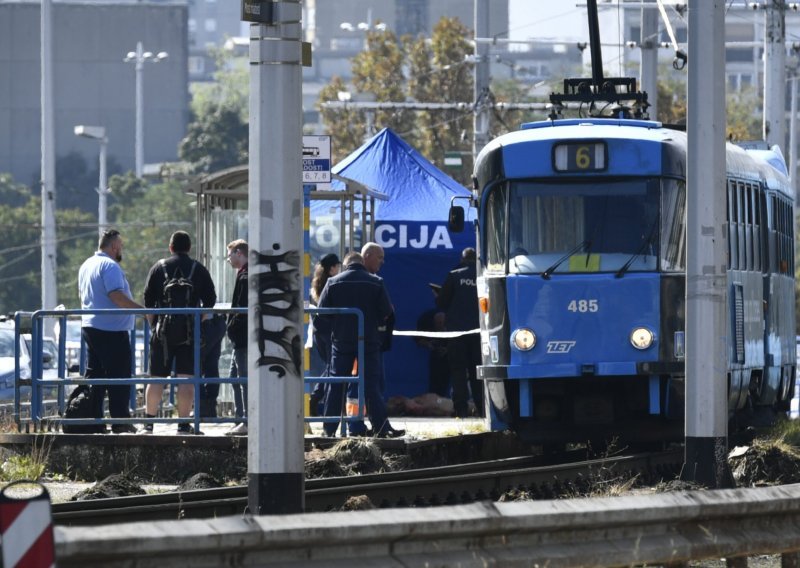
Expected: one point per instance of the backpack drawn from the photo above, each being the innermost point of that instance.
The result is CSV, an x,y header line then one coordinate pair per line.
x,y
80,405
178,292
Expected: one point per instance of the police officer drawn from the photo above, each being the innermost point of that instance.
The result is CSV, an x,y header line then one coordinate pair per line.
x,y
356,287
459,300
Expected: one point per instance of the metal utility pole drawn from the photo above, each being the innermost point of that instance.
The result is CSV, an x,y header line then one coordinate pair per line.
x,y
99,133
275,458
775,73
648,73
138,58
48,181
480,131
793,129
706,313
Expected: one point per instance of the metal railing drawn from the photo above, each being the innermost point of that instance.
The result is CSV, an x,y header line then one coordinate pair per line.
x,y
38,383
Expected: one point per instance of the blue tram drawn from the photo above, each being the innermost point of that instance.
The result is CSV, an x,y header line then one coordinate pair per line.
x,y
582,258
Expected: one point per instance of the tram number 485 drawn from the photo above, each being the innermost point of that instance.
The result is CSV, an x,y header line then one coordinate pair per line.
x,y
583,306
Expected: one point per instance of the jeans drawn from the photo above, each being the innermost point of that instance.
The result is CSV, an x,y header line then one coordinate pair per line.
x,y
342,366
239,369
213,331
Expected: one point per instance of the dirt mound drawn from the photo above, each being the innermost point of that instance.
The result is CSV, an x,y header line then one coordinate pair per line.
x,y
357,503
358,456
116,485
199,481
319,463
765,463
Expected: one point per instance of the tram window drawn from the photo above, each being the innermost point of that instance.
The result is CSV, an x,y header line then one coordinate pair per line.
x,y
495,233
733,248
740,238
673,236
755,205
748,225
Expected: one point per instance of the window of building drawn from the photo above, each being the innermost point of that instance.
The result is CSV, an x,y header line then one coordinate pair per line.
x,y
211,25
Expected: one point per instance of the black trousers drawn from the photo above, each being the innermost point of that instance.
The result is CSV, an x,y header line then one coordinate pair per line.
x,y
109,357
463,355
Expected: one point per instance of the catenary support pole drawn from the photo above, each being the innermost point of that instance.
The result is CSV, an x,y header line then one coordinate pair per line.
x,y
775,73
48,176
480,133
706,335
102,190
275,458
139,112
649,65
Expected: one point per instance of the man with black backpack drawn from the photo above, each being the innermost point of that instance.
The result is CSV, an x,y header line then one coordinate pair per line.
x,y
175,282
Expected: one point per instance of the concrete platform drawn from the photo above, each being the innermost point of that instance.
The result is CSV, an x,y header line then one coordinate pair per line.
x,y
166,457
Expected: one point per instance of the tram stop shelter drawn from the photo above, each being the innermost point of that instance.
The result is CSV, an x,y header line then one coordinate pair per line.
x,y
222,216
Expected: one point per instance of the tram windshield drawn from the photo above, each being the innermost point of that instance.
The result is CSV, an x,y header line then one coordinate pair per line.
x,y
602,226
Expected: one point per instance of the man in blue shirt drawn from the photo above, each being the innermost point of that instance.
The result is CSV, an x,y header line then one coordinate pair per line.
x,y
102,285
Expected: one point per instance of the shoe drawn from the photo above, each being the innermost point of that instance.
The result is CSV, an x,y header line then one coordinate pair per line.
x,y
391,433
124,429
238,430
184,429
146,430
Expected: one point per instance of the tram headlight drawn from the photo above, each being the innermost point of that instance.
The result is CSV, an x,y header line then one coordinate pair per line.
x,y
642,338
524,339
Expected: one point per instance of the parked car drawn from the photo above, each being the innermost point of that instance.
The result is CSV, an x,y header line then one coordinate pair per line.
x,y
7,366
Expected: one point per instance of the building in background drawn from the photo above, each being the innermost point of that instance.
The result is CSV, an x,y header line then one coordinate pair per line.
x,y
91,82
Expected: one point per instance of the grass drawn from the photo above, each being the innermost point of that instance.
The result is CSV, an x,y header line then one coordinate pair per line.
x,y
27,466
786,434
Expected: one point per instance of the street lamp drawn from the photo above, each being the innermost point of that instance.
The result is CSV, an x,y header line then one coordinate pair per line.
x,y
138,57
98,133
363,27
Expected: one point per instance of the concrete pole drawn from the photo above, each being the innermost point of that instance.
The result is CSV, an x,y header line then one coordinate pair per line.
x,y
102,189
775,74
648,68
793,131
275,317
48,181
139,136
706,279
480,134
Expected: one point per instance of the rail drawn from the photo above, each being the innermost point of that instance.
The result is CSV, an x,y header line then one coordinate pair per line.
x,y
38,383
666,528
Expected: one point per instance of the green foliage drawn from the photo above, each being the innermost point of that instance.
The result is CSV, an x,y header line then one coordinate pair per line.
x,y
145,214
217,136
215,140
146,225
20,254
439,73
426,70
76,182
20,467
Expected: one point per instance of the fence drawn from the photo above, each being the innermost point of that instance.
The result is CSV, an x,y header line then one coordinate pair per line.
x,y
38,383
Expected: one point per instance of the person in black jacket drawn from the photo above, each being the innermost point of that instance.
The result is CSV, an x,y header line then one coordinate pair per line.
x,y
237,332
162,355
459,300
355,287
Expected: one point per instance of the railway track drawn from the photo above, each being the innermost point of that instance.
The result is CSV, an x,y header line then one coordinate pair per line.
x,y
447,485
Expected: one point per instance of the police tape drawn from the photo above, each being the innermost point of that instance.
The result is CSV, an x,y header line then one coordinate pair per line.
x,y
435,334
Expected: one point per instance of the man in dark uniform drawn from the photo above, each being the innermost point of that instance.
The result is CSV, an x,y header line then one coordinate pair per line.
x,y
162,356
355,287
459,300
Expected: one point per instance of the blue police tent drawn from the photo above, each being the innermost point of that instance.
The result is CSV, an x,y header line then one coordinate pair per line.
x,y
411,226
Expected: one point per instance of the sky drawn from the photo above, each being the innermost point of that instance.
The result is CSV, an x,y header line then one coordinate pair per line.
x,y
542,19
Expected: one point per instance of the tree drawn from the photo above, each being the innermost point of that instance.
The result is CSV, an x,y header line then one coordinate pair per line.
x,y
146,224
20,254
439,73
215,140
217,136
